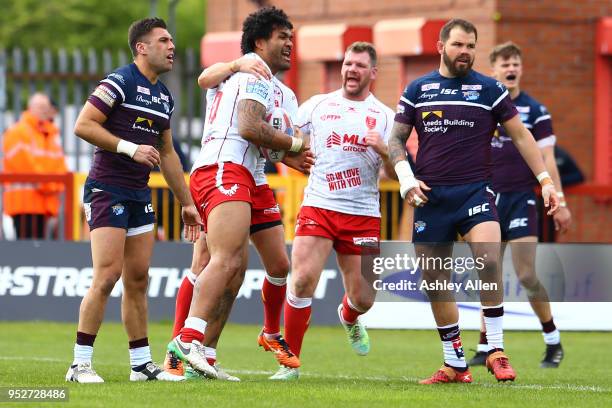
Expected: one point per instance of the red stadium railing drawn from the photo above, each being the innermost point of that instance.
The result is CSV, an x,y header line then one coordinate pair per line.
x,y
66,212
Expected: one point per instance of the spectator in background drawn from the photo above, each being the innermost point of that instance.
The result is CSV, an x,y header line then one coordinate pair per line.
x,y
32,145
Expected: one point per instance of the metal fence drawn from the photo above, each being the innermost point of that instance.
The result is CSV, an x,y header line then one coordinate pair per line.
x,y
69,76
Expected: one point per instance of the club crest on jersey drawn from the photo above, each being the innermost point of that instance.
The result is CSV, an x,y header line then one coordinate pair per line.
x,y
118,209
370,122
471,95
419,226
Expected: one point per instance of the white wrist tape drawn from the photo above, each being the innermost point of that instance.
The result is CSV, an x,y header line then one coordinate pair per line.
x,y
127,148
542,176
405,177
560,194
296,144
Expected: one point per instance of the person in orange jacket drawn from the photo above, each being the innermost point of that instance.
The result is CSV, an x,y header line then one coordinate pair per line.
x,y
32,145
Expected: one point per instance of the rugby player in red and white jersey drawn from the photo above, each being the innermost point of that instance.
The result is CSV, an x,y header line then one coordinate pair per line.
x,y
267,235
222,181
348,130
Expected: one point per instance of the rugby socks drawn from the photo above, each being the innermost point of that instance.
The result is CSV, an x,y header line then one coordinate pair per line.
x,y
193,330
211,355
183,302
451,346
140,353
550,333
83,348
273,294
297,318
349,313
482,346
494,320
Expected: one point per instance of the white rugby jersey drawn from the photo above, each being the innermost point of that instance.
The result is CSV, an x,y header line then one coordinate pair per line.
x,y
345,175
221,141
284,98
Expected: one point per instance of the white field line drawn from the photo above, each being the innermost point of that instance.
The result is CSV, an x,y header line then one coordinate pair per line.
x,y
561,387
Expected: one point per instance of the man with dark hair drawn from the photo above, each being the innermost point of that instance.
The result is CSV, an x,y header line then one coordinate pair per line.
x,y
223,180
516,200
266,233
455,111
341,203
128,118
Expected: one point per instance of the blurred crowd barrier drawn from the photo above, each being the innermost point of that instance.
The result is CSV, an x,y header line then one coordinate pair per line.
x,y
591,205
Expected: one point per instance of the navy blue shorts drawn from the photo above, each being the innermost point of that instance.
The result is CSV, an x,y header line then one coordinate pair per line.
x,y
518,215
111,206
453,209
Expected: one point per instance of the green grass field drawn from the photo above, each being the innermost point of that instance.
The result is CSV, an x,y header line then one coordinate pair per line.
x,y
38,353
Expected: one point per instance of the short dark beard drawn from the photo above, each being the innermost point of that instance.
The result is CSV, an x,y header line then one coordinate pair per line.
x,y
452,69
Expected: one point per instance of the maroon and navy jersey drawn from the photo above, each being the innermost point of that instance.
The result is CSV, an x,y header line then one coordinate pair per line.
x,y
510,171
454,119
137,111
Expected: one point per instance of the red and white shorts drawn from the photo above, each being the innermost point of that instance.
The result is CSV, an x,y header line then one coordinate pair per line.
x,y
265,212
218,183
351,234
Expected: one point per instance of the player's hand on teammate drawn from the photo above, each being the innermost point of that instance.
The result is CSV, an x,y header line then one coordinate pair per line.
x,y
415,195
302,162
252,66
562,220
192,221
551,200
377,143
147,155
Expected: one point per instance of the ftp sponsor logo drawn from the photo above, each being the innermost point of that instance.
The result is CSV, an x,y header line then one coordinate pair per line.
x,y
330,117
349,143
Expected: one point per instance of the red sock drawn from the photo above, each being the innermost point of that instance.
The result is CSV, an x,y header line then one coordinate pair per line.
x,y
183,302
211,361
349,314
296,324
189,335
273,297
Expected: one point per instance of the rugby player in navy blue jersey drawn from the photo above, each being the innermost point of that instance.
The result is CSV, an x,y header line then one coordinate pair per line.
x,y
455,112
513,183
128,118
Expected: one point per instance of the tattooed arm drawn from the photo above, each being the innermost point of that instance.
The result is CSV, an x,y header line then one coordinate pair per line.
x,y
410,187
397,142
253,127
